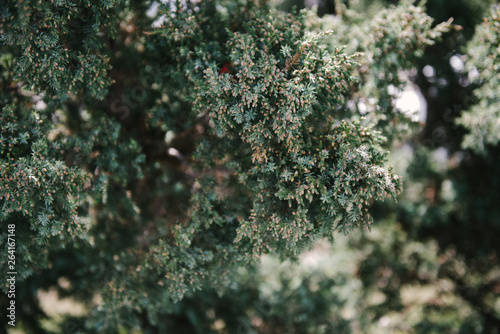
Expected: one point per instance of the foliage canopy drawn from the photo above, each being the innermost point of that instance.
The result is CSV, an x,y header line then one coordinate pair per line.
x,y
149,150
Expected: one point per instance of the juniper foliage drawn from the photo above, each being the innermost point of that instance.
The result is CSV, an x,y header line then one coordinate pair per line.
x,y
160,146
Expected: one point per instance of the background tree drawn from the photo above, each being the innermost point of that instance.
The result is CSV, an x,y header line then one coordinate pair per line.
x,y
150,151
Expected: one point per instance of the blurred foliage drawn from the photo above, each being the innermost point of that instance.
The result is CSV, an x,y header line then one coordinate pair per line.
x,y
483,120
187,166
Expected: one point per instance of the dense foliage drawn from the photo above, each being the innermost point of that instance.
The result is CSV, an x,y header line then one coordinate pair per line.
x,y
163,161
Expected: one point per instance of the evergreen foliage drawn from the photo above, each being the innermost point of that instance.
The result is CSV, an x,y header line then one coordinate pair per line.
x,y
482,121
153,153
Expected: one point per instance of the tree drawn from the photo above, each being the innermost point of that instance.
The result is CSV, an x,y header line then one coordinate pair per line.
x,y
149,150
